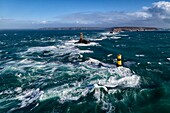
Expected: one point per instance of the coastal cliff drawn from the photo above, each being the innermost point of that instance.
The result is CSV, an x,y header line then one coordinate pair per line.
x,y
119,29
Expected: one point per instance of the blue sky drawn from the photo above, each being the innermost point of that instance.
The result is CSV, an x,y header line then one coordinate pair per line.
x,y
100,13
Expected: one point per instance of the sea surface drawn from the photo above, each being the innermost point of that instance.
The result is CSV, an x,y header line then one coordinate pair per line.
x,y
43,71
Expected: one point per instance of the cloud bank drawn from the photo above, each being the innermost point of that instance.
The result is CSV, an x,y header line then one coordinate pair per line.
x,y
157,15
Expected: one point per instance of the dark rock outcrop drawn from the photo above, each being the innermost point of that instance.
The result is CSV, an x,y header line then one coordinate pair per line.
x,y
82,40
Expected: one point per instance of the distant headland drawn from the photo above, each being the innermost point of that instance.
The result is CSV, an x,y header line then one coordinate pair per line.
x,y
120,29
113,29
73,28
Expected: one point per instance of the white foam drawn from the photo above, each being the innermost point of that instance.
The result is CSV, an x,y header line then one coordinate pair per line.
x,y
114,82
5,34
123,35
25,61
96,86
2,42
85,51
24,41
109,55
29,96
168,59
26,98
159,63
40,49
99,39
90,44
67,36
94,64
72,43
55,50
108,76
128,81
115,37
108,107
64,93
117,45
108,33
139,55
18,89
44,41
148,62
129,63
124,77
94,61
6,92
122,71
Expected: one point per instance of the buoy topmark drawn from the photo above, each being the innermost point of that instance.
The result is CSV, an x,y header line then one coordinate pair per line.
x,y
119,60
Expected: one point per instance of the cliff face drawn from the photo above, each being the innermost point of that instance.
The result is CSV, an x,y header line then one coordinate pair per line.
x,y
119,29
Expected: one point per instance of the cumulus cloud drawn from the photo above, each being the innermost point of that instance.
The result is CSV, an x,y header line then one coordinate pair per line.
x,y
7,23
142,15
156,15
44,22
91,17
159,10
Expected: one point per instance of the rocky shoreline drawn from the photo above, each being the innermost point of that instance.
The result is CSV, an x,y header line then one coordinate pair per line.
x,y
113,29
120,29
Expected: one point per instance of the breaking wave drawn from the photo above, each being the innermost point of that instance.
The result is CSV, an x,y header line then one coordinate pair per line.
x,y
86,77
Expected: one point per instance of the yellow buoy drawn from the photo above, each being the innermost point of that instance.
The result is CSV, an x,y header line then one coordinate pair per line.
x,y
119,60
119,63
119,56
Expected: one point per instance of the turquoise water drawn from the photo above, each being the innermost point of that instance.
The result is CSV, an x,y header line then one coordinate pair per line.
x,y
45,72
